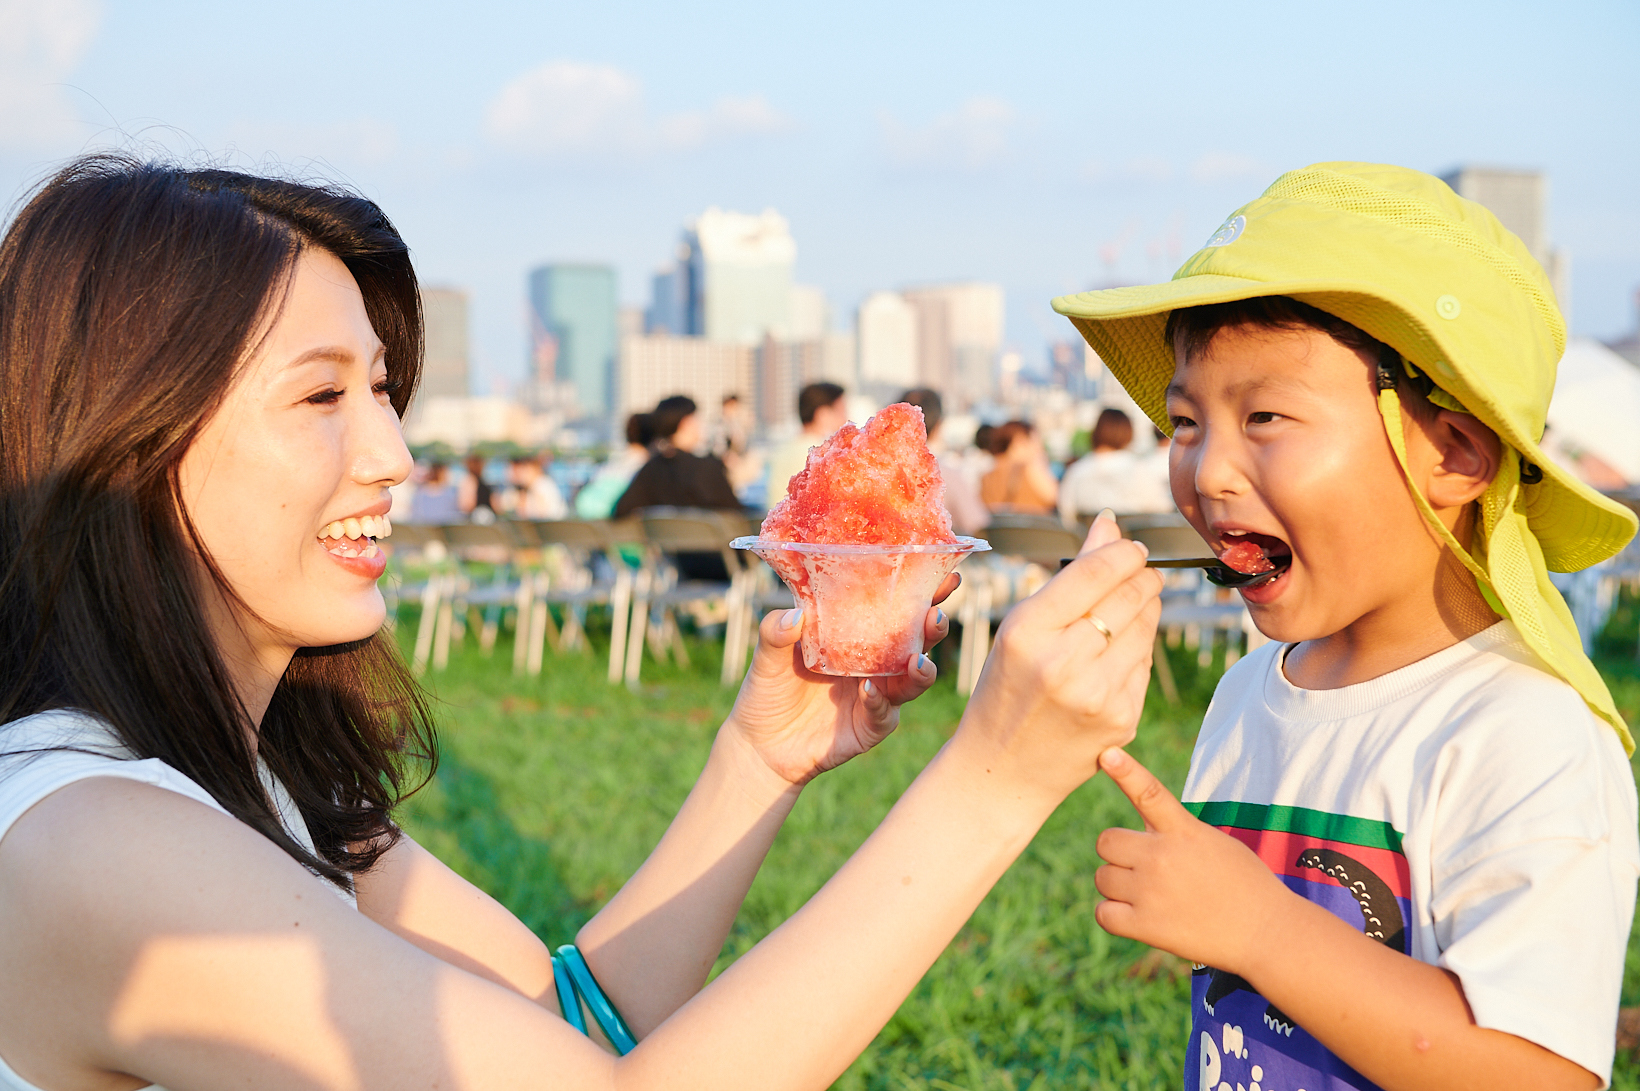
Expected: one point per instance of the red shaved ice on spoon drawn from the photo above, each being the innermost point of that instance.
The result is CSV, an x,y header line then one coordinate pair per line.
x,y
1246,557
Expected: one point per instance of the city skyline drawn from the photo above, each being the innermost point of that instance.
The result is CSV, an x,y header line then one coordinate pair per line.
x,y
1045,149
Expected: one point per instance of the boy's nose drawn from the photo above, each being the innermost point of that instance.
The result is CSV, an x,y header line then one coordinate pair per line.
x,y
1216,472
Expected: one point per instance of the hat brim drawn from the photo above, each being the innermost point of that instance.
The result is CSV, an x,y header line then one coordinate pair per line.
x,y
1575,525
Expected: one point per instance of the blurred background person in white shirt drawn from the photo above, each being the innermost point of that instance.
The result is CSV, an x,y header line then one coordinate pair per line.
x,y
968,512
1112,476
822,408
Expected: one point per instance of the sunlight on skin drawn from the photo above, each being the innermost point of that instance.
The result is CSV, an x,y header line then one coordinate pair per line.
x,y
151,1007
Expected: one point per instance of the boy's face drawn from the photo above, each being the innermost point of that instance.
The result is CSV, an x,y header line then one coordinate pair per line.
x,y
1278,436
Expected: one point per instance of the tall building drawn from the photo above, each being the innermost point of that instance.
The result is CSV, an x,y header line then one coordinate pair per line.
x,y
656,367
573,339
444,369
886,326
736,277
783,368
959,336
1520,201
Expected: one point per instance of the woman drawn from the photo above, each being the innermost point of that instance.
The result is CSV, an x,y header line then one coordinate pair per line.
x,y
1020,482
203,733
1112,475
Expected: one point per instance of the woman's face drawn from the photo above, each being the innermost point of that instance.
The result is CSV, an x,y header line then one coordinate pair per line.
x,y
305,439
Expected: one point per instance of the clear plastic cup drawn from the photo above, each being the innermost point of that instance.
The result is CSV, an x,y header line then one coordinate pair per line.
x,y
863,605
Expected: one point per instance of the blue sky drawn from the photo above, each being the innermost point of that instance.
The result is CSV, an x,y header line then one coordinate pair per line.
x,y
1050,147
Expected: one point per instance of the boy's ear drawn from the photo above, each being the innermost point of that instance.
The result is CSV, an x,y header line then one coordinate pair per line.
x,y
1468,454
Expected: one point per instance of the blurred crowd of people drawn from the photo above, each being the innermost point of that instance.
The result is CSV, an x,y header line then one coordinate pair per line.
x,y
670,459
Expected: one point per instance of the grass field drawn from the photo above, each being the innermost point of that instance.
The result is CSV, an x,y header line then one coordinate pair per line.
x,y
552,790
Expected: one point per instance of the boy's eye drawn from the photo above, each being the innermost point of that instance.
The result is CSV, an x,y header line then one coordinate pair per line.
x,y
1180,422
1262,418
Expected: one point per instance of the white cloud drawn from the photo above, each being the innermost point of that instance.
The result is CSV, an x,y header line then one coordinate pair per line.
x,y
1226,167
41,42
567,108
973,136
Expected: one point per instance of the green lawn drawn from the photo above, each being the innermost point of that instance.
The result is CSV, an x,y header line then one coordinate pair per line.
x,y
552,790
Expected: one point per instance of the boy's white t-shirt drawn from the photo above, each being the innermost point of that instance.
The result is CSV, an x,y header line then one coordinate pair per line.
x,y
49,751
1468,810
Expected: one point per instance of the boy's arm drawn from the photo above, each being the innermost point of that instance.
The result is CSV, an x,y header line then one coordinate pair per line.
x,y
1402,1023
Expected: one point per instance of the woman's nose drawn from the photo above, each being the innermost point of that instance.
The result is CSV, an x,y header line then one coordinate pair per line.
x,y
380,455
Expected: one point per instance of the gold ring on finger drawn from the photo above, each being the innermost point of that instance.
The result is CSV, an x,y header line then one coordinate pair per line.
x,y
1098,623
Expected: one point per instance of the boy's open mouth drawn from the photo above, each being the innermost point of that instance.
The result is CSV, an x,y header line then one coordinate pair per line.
x,y
1253,554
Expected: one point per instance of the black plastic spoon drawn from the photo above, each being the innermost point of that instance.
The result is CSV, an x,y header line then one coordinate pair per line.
x,y
1214,571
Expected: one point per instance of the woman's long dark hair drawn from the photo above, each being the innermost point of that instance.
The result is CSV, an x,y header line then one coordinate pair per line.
x,y
130,293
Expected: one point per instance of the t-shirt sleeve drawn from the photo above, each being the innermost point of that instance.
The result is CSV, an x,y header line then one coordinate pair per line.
x,y
1534,871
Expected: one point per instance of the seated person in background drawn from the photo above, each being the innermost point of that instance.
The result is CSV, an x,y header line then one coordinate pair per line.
x,y
477,497
597,497
1020,482
1112,476
535,494
968,511
435,501
822,407
675,476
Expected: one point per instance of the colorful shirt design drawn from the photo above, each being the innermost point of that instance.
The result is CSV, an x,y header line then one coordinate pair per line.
x,y
1353,867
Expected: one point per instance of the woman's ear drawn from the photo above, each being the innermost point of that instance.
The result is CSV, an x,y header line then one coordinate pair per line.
x,y
1467,456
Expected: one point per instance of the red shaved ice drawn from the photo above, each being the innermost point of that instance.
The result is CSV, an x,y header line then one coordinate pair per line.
x,y
877,485
1247,558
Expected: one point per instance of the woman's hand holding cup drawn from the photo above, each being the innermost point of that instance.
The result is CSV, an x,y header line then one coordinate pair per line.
x,y
1066,679
801,723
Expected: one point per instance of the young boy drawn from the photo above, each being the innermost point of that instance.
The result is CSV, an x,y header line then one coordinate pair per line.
x,y
1408,854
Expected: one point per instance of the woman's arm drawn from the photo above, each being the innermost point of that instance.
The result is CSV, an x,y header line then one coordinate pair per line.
x,y
149,935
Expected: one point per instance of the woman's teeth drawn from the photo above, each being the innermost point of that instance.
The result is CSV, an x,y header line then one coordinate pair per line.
x,y
366,526
337,536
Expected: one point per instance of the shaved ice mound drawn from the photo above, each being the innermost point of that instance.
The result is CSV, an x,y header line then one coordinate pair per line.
x,y
863,540
879,484
1248,558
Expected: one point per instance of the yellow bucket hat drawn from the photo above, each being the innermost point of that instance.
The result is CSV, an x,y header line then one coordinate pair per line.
x,y
1397,254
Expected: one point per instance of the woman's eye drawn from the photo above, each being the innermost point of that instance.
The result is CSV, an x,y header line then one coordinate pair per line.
x,y
326,397
388,387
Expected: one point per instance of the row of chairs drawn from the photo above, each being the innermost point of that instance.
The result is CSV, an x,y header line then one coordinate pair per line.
x,y
523,568
485,573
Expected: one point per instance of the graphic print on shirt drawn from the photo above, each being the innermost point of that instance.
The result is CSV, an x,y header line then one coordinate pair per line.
x,y
1354,868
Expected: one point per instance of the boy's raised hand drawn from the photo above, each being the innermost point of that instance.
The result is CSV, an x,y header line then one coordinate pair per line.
x,y
1182,885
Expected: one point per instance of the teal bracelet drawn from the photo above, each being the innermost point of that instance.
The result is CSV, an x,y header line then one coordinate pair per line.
x,y
567,1000
614,1027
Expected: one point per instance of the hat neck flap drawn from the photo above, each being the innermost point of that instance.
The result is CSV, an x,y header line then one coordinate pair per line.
x,y
1509,568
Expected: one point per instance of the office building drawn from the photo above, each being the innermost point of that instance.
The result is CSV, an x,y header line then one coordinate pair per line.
x,y
573,338
886,327
735,275
959,336
1520,201
445,367
783,368
656,367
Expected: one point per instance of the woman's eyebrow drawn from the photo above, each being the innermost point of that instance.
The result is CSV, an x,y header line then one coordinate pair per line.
x,y
335,354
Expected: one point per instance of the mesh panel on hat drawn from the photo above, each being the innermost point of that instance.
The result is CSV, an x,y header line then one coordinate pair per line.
x,y
1354,195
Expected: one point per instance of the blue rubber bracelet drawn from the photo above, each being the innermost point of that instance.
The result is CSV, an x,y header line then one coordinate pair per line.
x,y
614,1027
567,1000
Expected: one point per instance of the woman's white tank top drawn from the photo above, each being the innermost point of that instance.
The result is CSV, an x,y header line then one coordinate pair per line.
x,y
32,766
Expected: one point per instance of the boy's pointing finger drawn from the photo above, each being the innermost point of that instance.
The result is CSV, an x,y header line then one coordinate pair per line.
x,y
1155,804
